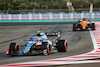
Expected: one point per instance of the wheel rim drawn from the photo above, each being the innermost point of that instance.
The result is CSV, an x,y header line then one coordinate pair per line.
x,y
16,47
48,49
65,45
45,52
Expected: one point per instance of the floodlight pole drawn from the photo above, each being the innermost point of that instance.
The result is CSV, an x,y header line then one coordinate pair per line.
x,y
91,8
70,7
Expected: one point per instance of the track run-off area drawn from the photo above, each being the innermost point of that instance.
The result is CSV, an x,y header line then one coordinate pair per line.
x,y
83,46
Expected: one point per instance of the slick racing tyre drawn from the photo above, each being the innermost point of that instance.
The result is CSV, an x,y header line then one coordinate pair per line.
x,y
93,26
78,26
13,48
89,25
62,45
46,48
74,27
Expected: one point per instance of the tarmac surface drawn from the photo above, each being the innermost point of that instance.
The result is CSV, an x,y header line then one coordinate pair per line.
x,y
79,42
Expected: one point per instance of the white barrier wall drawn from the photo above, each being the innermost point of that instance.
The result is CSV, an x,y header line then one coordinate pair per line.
x,y
49,16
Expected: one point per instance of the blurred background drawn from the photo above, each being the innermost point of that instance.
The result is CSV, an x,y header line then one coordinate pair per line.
x,y
48,6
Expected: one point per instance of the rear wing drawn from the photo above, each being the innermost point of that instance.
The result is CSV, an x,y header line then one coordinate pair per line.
x,y
58,34
49,34
52,34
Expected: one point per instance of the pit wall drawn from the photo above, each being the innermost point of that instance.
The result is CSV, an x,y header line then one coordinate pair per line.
x,y
48,17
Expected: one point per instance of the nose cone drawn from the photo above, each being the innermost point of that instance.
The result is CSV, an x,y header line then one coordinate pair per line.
x,y
84,28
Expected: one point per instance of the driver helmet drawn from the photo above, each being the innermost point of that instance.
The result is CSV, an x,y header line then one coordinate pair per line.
x,y
36,39
39,39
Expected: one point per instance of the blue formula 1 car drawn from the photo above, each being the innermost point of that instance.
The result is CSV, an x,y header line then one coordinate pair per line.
x,y
39,44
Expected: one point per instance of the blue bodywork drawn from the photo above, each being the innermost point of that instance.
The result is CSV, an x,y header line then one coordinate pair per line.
x,y
43,38
84,19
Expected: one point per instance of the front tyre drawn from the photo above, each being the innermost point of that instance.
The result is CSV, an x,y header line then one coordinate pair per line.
x,y
13,49
74,27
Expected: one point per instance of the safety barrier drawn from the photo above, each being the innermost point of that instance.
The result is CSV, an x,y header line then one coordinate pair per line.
x,y
54,17
49,16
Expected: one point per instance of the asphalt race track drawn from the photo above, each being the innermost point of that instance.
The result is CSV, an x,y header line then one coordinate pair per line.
x,y
79,42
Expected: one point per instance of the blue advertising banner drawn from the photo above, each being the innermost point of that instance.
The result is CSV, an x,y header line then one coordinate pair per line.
x,y
56,16
15,17
87,15
45,16
77,16
66,16
4,17
24,16
35,16
96,15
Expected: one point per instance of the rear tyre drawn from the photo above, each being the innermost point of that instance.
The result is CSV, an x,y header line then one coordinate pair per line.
x,y
93,26
89,25
74,27
62,45
13,49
